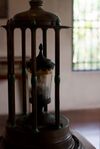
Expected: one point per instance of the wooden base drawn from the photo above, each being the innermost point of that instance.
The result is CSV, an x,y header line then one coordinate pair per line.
x,y
81,143
23,136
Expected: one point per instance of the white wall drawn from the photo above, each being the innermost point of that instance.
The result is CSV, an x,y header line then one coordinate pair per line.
x,y
78,89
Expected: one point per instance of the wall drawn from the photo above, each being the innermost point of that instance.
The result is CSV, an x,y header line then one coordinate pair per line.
x,y
78,89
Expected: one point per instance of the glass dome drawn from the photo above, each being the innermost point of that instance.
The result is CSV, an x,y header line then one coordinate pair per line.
x,y
44,79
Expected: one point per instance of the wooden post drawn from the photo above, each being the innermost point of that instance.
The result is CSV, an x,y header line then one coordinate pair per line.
x,y
57,77
45,53
24,71
34,79
11,75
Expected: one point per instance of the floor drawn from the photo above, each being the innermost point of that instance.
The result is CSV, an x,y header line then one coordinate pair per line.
x,y
87,123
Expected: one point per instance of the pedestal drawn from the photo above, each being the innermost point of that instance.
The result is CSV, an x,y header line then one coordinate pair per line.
x,y
62,138
81,144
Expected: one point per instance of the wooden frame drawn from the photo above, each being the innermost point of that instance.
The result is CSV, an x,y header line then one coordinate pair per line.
x,y
3,8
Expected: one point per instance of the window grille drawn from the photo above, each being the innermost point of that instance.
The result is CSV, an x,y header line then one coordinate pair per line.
x,y
86,35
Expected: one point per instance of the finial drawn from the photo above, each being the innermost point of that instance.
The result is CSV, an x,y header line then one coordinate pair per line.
x,y
41,47
36,3
36,0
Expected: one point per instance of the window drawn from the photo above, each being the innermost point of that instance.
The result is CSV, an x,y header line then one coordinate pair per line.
x,y
86,35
